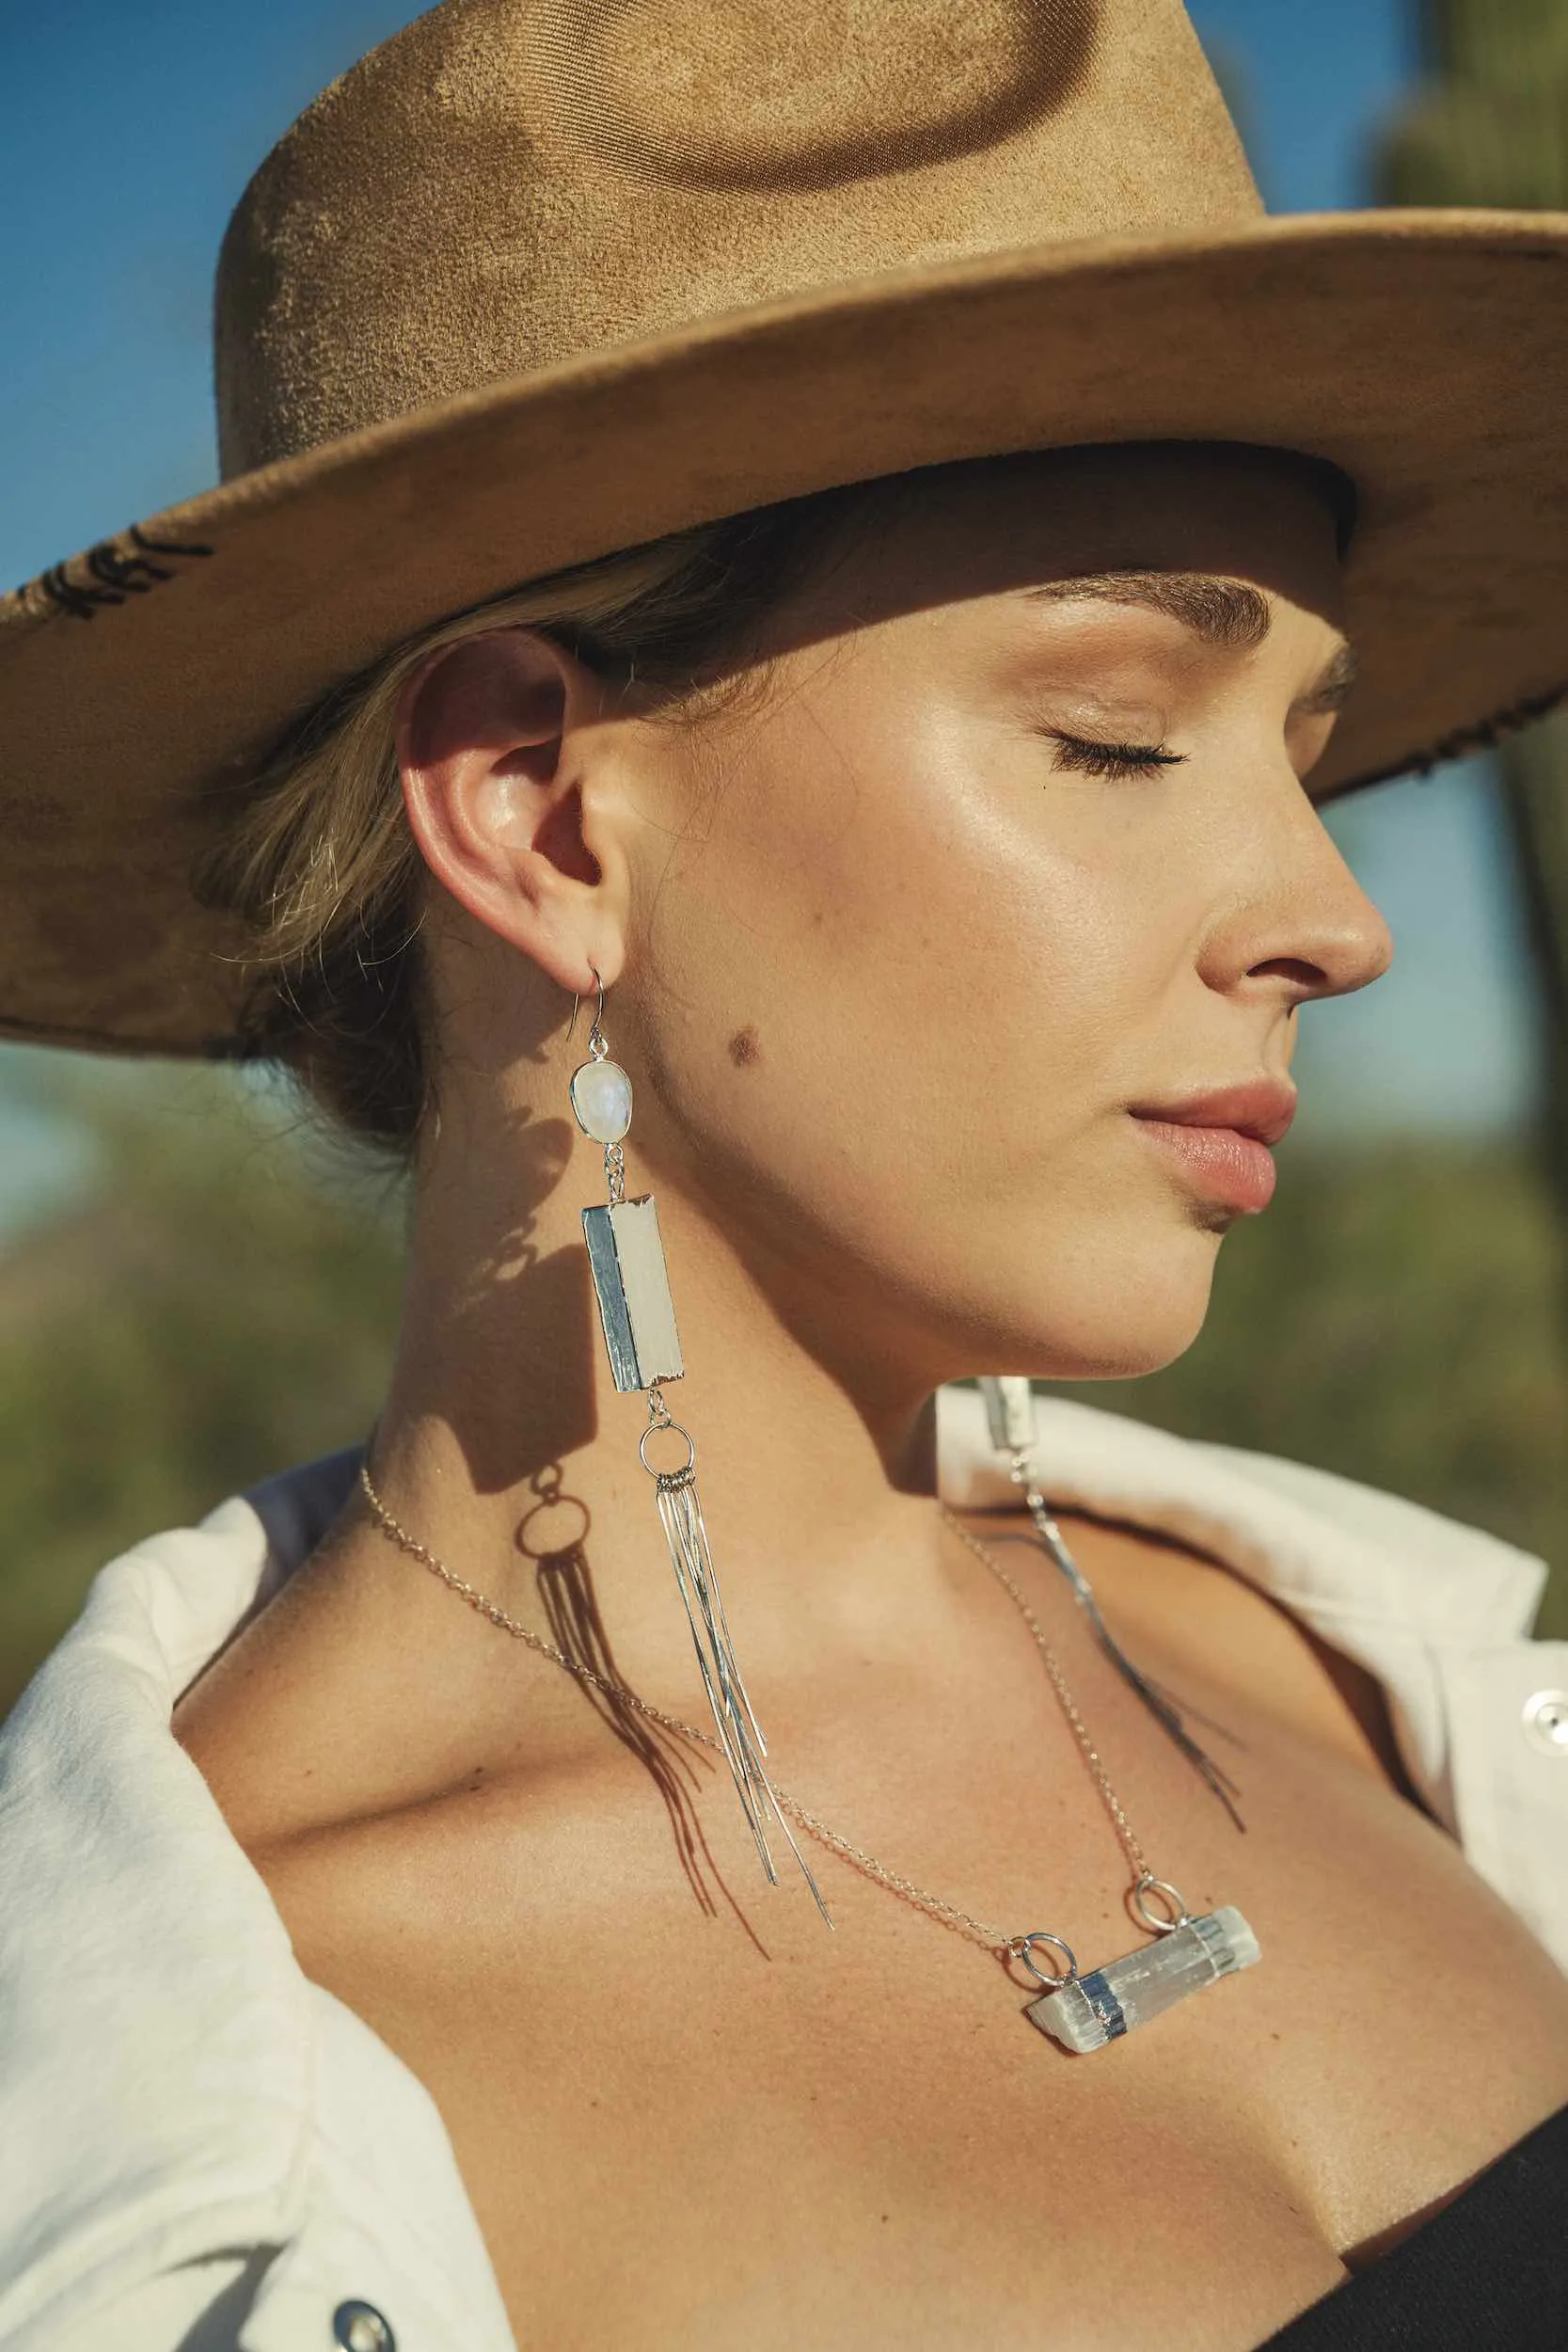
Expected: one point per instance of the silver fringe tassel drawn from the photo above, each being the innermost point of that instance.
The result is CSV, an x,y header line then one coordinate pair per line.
x,y
1011,1408
1160,1704
680,1512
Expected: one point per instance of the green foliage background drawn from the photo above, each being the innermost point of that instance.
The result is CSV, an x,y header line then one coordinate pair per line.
x,y
220,1300
216,1300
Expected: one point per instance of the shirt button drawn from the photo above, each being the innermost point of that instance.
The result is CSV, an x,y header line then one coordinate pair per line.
x,y
1546,1721
359,2327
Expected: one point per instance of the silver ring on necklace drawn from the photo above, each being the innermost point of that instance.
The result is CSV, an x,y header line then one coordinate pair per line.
x,y
1043,1935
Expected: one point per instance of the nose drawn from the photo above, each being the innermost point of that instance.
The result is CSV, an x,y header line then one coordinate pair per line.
x,y
1301,927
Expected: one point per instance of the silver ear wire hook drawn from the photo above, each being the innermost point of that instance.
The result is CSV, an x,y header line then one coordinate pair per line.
x,y
598,1015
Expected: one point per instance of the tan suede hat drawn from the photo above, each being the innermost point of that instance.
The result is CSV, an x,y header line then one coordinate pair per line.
x,y
542,278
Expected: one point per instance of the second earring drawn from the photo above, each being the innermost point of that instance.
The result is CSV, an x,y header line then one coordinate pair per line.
x,y
625,1257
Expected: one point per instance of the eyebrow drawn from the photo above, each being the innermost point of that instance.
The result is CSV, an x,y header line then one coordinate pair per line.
x,y
1224,612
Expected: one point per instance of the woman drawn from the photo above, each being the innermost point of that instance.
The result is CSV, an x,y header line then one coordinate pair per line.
x,y
918,804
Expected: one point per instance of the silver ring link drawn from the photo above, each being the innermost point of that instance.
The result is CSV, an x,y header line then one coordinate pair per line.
x,y
1043,1935
1164,1924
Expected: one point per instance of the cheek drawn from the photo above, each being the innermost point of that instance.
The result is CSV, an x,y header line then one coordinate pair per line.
x,y
910,964
901,997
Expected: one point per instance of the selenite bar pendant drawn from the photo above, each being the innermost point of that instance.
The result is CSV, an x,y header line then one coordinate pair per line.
x,y
625,1257
1091,2010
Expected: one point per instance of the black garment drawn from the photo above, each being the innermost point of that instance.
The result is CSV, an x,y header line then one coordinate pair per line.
x,y
1488,2273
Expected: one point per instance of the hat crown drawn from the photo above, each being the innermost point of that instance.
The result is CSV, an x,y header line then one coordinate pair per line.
x,y
507,184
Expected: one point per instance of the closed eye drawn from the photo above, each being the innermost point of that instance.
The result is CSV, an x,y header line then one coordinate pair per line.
x,y
1111,759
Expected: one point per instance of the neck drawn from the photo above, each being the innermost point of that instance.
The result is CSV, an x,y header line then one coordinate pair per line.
x,y
504,1447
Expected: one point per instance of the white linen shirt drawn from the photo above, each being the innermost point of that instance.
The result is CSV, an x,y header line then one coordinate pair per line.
x,y
204,2152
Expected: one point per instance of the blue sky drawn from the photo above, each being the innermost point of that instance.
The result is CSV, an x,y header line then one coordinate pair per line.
x,y
128,134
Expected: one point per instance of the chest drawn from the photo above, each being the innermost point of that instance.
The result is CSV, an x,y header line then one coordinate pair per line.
x,y
708,2127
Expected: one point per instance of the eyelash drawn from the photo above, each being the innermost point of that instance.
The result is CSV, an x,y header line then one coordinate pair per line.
x,y
1115,759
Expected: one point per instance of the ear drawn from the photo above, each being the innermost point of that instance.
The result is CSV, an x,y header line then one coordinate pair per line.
x,y
495,741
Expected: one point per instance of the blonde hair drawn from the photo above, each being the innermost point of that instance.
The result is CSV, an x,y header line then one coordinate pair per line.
x,y
316,855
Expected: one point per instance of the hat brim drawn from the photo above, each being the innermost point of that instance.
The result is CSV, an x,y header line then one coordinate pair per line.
x,y
1424,353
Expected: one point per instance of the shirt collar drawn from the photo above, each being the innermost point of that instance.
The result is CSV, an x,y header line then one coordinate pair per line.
x,y
166,2064
1349,1559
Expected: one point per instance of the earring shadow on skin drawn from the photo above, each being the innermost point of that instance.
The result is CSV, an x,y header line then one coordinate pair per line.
x,y
564,1581
508,1286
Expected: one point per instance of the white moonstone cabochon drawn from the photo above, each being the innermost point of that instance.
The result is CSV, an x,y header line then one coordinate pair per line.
x,y
601,1100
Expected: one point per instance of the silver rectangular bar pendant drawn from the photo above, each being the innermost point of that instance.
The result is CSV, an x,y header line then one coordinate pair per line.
x,y
626,1258
1099,2008
1010,1414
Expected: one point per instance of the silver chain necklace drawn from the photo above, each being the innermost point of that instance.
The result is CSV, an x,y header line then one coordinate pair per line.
x,y
1082,2011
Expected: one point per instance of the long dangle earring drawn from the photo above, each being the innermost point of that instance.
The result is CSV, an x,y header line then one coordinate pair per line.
x,y
625,1257
1010,1420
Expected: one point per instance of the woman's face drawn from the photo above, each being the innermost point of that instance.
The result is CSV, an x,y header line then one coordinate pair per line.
x,y
1009,860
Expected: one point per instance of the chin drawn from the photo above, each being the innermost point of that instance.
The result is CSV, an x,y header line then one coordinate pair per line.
x,y
1113,1320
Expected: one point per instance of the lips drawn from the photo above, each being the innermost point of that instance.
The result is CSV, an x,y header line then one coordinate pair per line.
x,y
1221,1138
1263,1108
